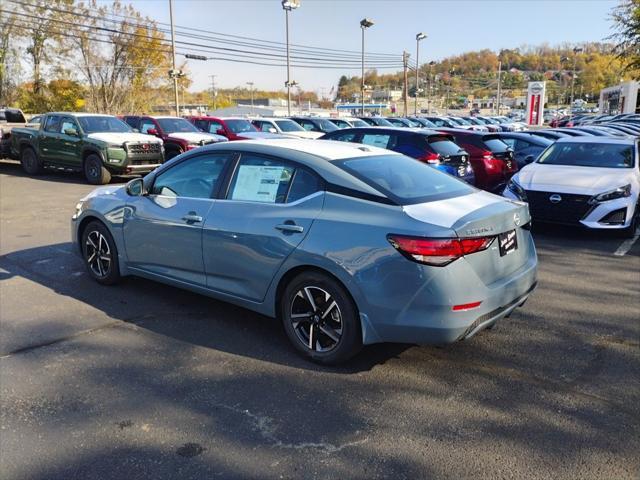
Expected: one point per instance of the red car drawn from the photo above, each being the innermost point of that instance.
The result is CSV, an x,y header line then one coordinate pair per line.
x,y
232,128
492,160
177,134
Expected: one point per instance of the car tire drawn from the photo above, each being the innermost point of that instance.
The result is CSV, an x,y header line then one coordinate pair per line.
x,y
320,318
630,231
171,153
100,253
30,162
94,170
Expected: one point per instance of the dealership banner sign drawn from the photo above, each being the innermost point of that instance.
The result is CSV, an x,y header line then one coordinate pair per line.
x,y
535,103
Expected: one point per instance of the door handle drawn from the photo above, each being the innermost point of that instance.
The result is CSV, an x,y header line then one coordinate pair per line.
x,y
291,228
192,218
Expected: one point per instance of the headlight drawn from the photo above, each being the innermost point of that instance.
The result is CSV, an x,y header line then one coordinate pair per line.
x,y
620,192
515,188
78,210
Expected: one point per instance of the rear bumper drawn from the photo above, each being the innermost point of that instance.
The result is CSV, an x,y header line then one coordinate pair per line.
x,y
429,318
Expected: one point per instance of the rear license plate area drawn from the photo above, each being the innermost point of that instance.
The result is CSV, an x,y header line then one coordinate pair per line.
x,y
507,242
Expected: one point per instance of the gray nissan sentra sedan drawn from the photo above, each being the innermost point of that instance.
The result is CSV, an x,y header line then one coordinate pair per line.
x,y
347,244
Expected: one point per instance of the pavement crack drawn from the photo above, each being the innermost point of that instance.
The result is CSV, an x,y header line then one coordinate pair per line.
x,y
264,426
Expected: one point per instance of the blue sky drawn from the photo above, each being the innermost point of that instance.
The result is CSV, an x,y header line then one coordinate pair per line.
x,y
453,27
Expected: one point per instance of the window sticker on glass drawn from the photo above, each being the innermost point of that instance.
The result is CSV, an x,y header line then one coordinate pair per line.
x,y
257,183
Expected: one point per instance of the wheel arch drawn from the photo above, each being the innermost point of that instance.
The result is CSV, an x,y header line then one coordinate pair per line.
x,y
91,150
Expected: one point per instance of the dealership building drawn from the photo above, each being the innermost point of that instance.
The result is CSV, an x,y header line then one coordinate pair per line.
x,y
622,98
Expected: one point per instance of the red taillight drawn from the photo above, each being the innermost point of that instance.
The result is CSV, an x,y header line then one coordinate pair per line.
x,y
430,157
438,251
465,306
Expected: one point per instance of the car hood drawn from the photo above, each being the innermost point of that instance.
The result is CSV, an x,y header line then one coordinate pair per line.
x,y
197,137
305,134
118,138
570,179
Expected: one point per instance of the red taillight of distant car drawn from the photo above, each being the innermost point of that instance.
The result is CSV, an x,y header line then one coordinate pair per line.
x,y
438,251
430,157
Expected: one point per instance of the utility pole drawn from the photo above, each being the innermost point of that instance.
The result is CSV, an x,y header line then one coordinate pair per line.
x,y
499,84
289,5
251,93
419,36
173,60
576,50
364,24
214,94
405,67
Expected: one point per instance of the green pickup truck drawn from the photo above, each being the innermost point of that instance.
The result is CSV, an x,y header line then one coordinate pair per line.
x,y
98,145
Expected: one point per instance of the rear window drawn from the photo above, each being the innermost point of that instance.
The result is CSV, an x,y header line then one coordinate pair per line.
x,y
495,145
603,155
404,180
444,146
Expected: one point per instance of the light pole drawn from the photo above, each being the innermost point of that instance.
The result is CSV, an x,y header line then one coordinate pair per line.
x,y
419,36
576,51
251,93
174,72
364,24
562,60
430,86
289,5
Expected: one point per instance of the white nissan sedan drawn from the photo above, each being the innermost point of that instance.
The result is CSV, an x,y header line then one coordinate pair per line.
x,y
587,181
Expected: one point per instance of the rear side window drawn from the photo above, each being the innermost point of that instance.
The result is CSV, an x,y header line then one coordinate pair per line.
x,y
344,137
304,184
496,145
131,121
52,124
261,179
403,179
381,140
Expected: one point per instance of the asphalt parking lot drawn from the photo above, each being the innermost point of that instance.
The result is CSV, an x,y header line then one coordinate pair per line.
x,y
142,380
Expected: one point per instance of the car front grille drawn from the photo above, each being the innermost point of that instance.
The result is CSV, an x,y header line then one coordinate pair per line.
x,y
144,148
567,208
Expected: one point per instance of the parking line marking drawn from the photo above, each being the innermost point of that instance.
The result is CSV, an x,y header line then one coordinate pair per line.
x,y
627,244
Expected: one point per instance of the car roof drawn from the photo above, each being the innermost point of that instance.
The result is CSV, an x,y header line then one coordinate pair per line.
x,y
418,130
594,139
326,149
80,114
524,136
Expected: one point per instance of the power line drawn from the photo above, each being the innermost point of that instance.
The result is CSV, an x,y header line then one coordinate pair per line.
x,y
329,53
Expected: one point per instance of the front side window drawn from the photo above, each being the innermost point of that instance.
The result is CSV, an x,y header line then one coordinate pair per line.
x,y
197,177
307,125
214,127
603,155
67,124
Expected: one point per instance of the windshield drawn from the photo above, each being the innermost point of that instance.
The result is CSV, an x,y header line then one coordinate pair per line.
x,y
603,155
473,121
461,121
289,126
356,122
240,126
403,179
173,125
326,125
102,124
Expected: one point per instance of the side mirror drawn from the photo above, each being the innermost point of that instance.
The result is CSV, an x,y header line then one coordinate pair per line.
x,y
221,131
528,159
152,131
272,130
135,187
72,132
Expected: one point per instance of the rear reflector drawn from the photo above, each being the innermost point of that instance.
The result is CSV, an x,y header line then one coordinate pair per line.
x,y
465,306
438,251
